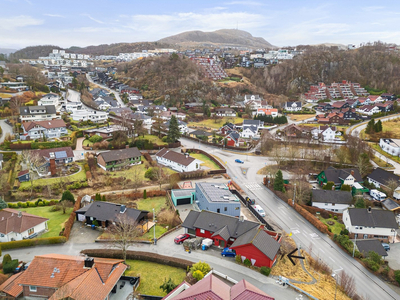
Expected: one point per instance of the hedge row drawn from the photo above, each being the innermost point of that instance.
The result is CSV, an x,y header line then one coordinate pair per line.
x,y
71,219
147,157
33,242
139,255
26,204
311,218
324,213
138,195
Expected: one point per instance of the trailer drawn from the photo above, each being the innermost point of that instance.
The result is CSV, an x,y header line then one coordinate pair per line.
x,y
377,195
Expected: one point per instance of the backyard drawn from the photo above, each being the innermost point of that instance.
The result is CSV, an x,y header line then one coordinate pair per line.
x,y
215,124
152,275
378,149
335,226
56,218
148,204
151,138
209,163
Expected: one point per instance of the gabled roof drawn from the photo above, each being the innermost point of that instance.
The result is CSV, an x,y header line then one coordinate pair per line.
x,y
335,175
327,196
257,123
374,218
26,110
383,176
261,240
65,151
122,154
234,136
57,123
244,290
252,128
365,246
12,220
214,222
11,286
201,133
179,158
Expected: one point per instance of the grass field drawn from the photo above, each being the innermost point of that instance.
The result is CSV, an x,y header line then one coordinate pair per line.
x,y
152,138
56,218
87,143
336,228
207,161
80,176
152,275
148,204
300,117
149,235
378,149
6,96
209,123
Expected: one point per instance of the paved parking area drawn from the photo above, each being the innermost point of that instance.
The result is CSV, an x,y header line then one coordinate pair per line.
x,y
82,234
122,293
393,256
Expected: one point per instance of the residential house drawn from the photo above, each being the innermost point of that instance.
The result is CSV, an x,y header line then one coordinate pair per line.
x,y
38,113
49,159
182,126
350,114
23,176
60,276
375,99
367,223
382,178
336,201
39,129
249,239
257,123
249,132
248,98
227,128
327,133
368,110
72,106
391,146
177,161
273,112
217,198
233,139
184,195
151,109
340,105
106,131
293,106
324,106
331,118
166,115
201,134
16,225
297,131
374,245
340,177
211,287
389,96
353,103
50,99
225,112
95,116
385,107
102,105
116,159
107,214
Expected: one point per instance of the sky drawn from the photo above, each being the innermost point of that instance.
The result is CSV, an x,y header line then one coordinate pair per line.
x,y
282,23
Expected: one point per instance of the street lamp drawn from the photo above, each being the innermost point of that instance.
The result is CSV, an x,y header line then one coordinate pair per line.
x,y
335,277
355,242
154,227
394,234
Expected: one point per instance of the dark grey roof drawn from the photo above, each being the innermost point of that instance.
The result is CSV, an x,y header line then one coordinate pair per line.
x,y
252,128
375,218
182,193
290,103
120,154
180,122
389,204
201,132
337,197
383,176
213,192
252,122
223,232
364,246
235,136
335,175
214,222
261,240
26,110
106,211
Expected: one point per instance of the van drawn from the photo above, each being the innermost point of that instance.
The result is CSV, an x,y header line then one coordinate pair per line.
x,y
259,209
377,195
386,246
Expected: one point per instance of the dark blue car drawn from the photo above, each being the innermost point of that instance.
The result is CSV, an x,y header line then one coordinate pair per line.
x,y
228,252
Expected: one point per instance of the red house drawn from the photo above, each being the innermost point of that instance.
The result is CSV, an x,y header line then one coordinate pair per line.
x,y
249,239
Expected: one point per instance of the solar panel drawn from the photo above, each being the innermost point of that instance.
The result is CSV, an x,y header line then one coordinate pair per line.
x,y
61,154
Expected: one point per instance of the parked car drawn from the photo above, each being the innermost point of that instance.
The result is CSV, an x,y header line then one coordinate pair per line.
x,y
250,201
20,267
182,237
259,209
239,161
228,252
386,246
27,265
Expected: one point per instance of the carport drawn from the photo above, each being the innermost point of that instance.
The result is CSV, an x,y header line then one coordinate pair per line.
x,y
182,197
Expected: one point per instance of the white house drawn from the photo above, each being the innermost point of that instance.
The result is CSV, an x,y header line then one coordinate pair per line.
x,y
225,112
293,106
273,112
16,225
38,113
368,110
71,106
50,129
391,146
89,115
182,126
366,223
102,105
327,133
382,178
51,99
249,132
336,201
177,161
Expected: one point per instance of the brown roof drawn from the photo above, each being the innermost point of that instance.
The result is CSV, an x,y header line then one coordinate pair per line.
x,y
179,158
45,124
68,275
15,221
21,173
11,286
46,152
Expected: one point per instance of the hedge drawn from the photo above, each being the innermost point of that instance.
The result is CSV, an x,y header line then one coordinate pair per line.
x,y
140,255
147,157
33,242
10,266
311,218
71,219
138,195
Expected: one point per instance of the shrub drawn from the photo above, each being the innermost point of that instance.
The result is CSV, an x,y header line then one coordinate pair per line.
x,y
55,208
10,266
330,215
397,276
201,266
198,275
238,258
33,242
6,258
24,205
32,204
247,262
52,202
67,195
144,194
150,174
95,223
335,217
95,139
46,203
19,204
265,271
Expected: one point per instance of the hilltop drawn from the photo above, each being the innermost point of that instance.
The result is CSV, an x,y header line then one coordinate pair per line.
x,y
222,37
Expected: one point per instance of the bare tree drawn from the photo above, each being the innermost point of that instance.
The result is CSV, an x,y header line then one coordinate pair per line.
x,y
136,178
391,185
363,164
123,233
303,190
348,284
278,155
160,176
64,205
138,127
31,159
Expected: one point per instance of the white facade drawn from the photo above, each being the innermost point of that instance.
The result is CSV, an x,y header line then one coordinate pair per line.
x,y
248,133
339,208
89,115
15,236
51,99
37,132
368,112
391,146
292,106
193,166
38,114
71,106
327,135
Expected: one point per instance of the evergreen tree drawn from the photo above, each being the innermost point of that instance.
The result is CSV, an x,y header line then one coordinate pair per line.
x,y
278,183
168,285
378,126
328,186
370,127
3,204
104,198
67,195
173,132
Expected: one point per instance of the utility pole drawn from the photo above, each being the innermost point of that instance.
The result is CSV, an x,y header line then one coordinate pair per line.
x,y
154,227
294,194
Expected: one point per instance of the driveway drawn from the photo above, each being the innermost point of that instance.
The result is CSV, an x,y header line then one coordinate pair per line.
x,y
6,129
81,234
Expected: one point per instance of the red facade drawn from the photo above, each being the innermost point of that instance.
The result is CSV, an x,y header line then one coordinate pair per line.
x,y
251,252
230,142
218,241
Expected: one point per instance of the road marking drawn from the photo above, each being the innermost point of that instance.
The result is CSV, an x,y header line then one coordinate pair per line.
x,y
340,269
314,236
331,259
321,250
290,218
253,186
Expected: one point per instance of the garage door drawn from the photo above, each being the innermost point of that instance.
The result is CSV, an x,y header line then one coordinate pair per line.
x,y
183,201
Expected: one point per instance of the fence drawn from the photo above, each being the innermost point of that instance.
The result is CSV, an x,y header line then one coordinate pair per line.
x,y
218,145
222,171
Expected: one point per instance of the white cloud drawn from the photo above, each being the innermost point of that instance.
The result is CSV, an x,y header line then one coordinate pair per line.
x,y
93,19
252,3
54,15
372,8
10,23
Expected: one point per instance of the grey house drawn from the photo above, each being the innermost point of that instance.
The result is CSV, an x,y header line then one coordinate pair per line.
x,y
217,198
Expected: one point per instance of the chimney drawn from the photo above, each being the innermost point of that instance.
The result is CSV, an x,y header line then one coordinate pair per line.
x,y
241,218
352,173
369,209
89,262
19,214
122,209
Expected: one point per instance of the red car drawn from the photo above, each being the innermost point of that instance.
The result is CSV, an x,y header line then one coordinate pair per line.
x,y
182,237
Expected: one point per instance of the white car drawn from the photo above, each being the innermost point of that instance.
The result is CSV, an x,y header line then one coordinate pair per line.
x,y
259,209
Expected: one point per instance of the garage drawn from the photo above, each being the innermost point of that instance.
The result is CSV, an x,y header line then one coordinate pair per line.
x,y
182,197
182,201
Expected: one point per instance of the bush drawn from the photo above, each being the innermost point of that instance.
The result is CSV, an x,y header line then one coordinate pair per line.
x,y
46,203
19,204
24,205
397,276
95,139
150,174
238,258
33,242
53,202
67,195
10,266
198,275
247,262
265,271
55,208
201,266
6,258
335,217
32,204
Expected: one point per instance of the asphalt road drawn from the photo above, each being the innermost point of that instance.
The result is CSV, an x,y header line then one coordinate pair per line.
x,y
116,94
305,234
6,129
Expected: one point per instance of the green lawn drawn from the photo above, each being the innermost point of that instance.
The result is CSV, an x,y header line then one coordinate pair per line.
x,y
149,235
207,161
87,143
148,204
336,228
152,276
56,218
80,176
378,148
152,138
210,123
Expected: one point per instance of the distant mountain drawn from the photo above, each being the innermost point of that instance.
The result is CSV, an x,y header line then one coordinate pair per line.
x,y
7,51
222,37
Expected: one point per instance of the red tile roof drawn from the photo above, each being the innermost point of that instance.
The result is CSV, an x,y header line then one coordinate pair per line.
x,y
11,286
179,158
15,221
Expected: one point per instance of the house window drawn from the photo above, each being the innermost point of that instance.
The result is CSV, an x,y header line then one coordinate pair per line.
x,y
31,231
32,288
218,210
202,231
2,235
225,208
